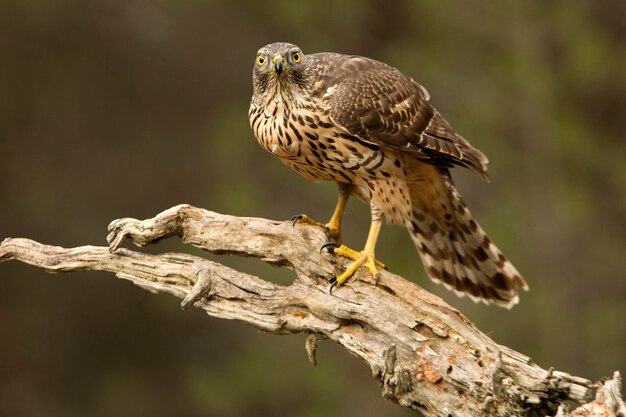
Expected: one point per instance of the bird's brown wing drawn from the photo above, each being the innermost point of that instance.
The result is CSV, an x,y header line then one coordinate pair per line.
x,y
382,106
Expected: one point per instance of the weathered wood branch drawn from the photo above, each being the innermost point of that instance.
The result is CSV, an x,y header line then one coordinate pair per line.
x,y
426,354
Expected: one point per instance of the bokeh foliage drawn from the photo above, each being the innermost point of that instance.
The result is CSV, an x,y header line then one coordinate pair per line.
x,y
124,108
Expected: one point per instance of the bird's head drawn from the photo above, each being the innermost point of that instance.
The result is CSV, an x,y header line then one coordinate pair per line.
x,y
279,65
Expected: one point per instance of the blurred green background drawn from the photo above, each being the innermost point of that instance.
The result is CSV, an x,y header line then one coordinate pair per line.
x,y
112,109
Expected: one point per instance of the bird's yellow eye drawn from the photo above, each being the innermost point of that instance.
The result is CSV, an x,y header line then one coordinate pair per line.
x,y
260,60
296,57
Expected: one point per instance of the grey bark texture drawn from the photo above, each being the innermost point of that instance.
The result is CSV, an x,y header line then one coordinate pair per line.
x,y
425,354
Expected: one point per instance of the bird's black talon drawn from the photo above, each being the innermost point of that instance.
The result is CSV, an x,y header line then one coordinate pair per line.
x,y
376,279
295,219
333,284
330,246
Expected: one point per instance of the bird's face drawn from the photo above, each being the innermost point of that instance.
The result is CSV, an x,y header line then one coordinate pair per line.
x,y
277,66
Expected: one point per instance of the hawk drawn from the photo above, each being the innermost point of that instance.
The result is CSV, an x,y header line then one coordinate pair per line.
x,y
372,130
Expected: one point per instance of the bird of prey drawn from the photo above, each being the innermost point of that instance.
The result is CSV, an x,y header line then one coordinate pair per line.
x,y
372,130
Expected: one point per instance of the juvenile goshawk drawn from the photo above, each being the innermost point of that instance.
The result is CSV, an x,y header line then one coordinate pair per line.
x,y
372,130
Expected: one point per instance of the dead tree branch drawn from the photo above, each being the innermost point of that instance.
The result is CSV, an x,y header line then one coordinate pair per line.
x,y
426,355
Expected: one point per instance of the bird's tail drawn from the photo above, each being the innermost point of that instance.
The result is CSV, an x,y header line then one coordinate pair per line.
x,y
456,251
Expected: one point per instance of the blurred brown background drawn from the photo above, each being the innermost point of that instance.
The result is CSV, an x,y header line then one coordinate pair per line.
x,y
124,108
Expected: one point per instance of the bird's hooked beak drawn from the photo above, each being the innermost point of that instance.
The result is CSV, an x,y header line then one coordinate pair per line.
x,y
278,64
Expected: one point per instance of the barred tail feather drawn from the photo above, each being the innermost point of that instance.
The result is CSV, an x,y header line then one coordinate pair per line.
x,y
457,253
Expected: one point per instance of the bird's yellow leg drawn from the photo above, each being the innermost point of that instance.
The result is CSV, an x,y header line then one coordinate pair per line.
x,y
364,258
333,227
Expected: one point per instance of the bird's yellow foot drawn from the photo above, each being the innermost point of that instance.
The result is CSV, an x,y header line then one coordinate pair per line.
x,y
333,230
364,258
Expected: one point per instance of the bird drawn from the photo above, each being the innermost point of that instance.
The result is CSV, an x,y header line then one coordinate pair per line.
x,y
372,130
